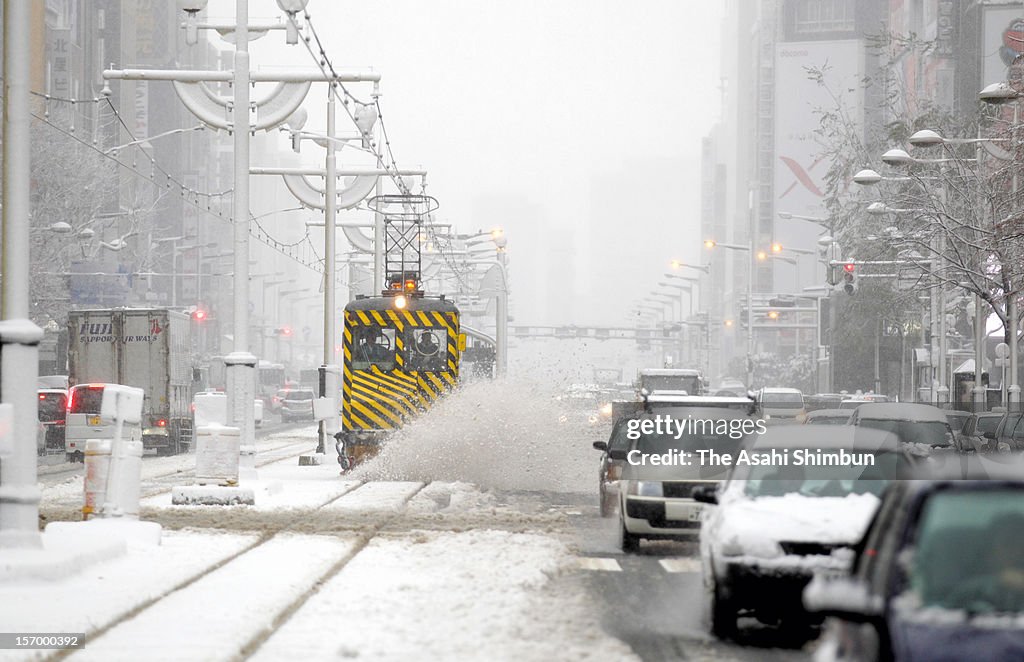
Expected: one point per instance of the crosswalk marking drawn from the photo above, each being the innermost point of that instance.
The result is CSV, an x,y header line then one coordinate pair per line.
x,y
592,563
682,564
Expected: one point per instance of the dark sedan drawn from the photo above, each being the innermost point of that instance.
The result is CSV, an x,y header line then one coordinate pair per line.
x,y
975,428
938,576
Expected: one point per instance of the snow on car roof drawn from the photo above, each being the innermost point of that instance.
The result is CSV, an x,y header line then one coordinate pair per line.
x,y
901,411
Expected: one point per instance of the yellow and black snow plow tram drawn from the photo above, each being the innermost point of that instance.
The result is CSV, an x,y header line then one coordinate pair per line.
x,y
401,350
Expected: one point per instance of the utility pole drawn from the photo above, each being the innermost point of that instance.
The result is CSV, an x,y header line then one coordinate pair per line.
x,y
19,337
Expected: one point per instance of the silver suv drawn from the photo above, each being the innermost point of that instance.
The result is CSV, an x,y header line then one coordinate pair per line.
x,y
298,405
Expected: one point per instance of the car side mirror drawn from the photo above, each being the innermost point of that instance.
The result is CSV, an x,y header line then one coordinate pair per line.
x,y
989,435
617,454
705,494
601,445
844,598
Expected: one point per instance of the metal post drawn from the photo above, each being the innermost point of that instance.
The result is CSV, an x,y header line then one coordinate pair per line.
x,y
19,337
978,393
1013,390
943,389
878,341
750,293
378,245
682,329
933,347
241,363
329,427
832,346
501,329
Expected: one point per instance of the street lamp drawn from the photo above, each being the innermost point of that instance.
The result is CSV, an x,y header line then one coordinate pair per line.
x,y
711,244
899,157
996,93
937,351
688,288
705,268
785,215
929,138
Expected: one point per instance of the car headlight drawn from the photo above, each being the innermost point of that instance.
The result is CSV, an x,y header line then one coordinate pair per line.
x,y
754,547
731,547
646,488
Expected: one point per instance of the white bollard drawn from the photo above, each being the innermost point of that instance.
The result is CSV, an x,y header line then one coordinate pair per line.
x,y
125,478
97,468
122,405
217,455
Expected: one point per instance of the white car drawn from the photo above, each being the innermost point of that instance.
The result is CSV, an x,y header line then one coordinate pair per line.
x,y
782,405
655,501
775,525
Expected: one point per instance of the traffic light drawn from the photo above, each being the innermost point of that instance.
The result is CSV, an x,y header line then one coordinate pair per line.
x,y
849,278
199,315
284,331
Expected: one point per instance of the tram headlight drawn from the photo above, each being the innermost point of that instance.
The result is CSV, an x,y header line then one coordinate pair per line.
x,y
400,302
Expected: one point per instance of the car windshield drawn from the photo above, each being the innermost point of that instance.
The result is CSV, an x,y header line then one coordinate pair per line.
x,y
987,424
86,400
930,433
828,420
52,406
957,420
783,400
1014,427
818,481
967,553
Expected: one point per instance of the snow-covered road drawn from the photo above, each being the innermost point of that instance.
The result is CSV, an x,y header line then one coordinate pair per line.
x,y
474,537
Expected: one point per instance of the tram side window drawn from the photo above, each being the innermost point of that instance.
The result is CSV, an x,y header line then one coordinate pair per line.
x,y
428,349
373,346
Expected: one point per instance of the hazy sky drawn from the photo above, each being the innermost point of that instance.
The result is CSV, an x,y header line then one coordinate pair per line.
x,y
574,123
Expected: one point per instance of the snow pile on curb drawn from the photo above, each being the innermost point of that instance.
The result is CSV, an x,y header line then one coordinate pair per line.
x,y
447,596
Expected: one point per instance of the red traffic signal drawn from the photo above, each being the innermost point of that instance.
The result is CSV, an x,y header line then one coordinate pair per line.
x,y
199,315
285,331
849,267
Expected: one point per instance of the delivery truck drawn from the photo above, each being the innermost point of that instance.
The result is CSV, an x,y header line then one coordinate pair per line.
x,y
149,348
